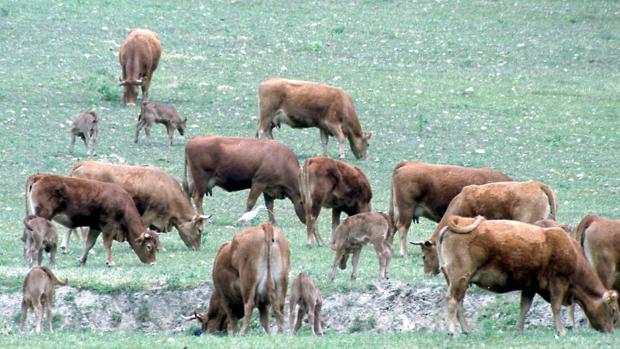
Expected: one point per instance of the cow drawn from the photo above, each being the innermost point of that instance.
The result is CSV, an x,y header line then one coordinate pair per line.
x,y
425,190
233,164
503,256
38,293
600,239
306,297
303,104
39,235
139,56
250,271
332,184
159,113
521,201
85,126
103,207
355,232
550,223
158,197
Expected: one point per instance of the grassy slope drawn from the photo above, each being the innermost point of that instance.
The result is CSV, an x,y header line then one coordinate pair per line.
x,y
532,84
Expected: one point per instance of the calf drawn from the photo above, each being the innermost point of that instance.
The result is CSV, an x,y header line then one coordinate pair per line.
x,y
521,201
355,232
159,113
332,184
302,104
425,190
251,271
504,256
232,163
164,208
103,207
39,235
306,297
139,56
85,126
38,293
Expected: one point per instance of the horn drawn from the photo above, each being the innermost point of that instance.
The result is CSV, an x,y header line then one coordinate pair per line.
x,y
419,243
206,216
190,318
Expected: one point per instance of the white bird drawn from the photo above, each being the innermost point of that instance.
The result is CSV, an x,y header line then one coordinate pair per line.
x,y
248,216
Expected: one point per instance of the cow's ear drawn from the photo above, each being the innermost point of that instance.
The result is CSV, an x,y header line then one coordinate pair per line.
x,y
199,317
139,239
367,135
428,243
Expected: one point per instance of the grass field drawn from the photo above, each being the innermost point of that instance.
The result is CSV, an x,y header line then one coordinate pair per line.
x,y
529,88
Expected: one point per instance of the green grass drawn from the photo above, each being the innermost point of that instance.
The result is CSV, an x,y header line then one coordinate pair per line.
x,y
533,84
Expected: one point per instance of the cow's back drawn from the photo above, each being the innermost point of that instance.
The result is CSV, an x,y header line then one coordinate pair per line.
x,y
144,44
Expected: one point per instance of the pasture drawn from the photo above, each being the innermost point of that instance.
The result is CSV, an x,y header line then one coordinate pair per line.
x,y
529,88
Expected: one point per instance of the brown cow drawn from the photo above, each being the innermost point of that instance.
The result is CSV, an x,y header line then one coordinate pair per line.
x,y
332,184
85,126
39,235
251,271
521,201
504,256
159,113
306,297
355,232
600,239
38,293
158,197
302,104
139,56
425,190
103,207
232,163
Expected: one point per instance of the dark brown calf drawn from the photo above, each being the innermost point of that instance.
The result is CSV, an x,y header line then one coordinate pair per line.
x,y
158,113
306,297
38,293
39,235
85,126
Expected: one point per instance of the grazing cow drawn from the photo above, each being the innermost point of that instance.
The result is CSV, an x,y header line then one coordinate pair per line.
x,y
103,207
332,184
250,271
425,190
504,256
159,113
600,239
302,104
306,297
355,232
158,197
521,201
85,126
232,163
38,293
39,235
139,56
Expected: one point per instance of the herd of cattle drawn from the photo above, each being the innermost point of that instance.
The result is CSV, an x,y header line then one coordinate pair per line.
x,y
498,234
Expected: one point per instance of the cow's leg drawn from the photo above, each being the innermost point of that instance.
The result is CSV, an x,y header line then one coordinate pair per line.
x,y
336,130
311,313
265,121
255,191
318,328
339,254
107,245
269,204
48,306
27,250
170,130
147,132
455,297
145,89
402,225
460,314
72,143
86,140
24,314
64,245
556,296
300,318
335,220
263,311
526,303
324,140
93,140
38,311
571,316
139,127
39,255
52,257
248,307
312,213
278,307
383,259
292,304
355,259
89,243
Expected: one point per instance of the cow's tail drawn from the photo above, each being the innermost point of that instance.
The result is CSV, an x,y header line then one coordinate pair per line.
x,y
581,228
553,200
75,168
269,241
27,189
53,277
392,216
188,182
304,183
389,233
455,228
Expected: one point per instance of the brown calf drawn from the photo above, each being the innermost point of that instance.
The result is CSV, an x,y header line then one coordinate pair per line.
x,y
38,293
355,232
306,297
302,104
39,235
139,56
159,113
504,256
85,126
332,184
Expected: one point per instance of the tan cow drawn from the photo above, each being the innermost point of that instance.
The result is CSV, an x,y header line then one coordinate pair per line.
x,y
355,232
103,207
306,297
503,256
521,201
39,235
600,239
302,104
332,184
85,126
139,56
158,113
158,197
250,271
38,293
425,190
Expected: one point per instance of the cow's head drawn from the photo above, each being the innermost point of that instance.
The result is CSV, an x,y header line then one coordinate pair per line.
x,y
359,145
130,95
603,312
191,231
181,126
146,245
429,256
